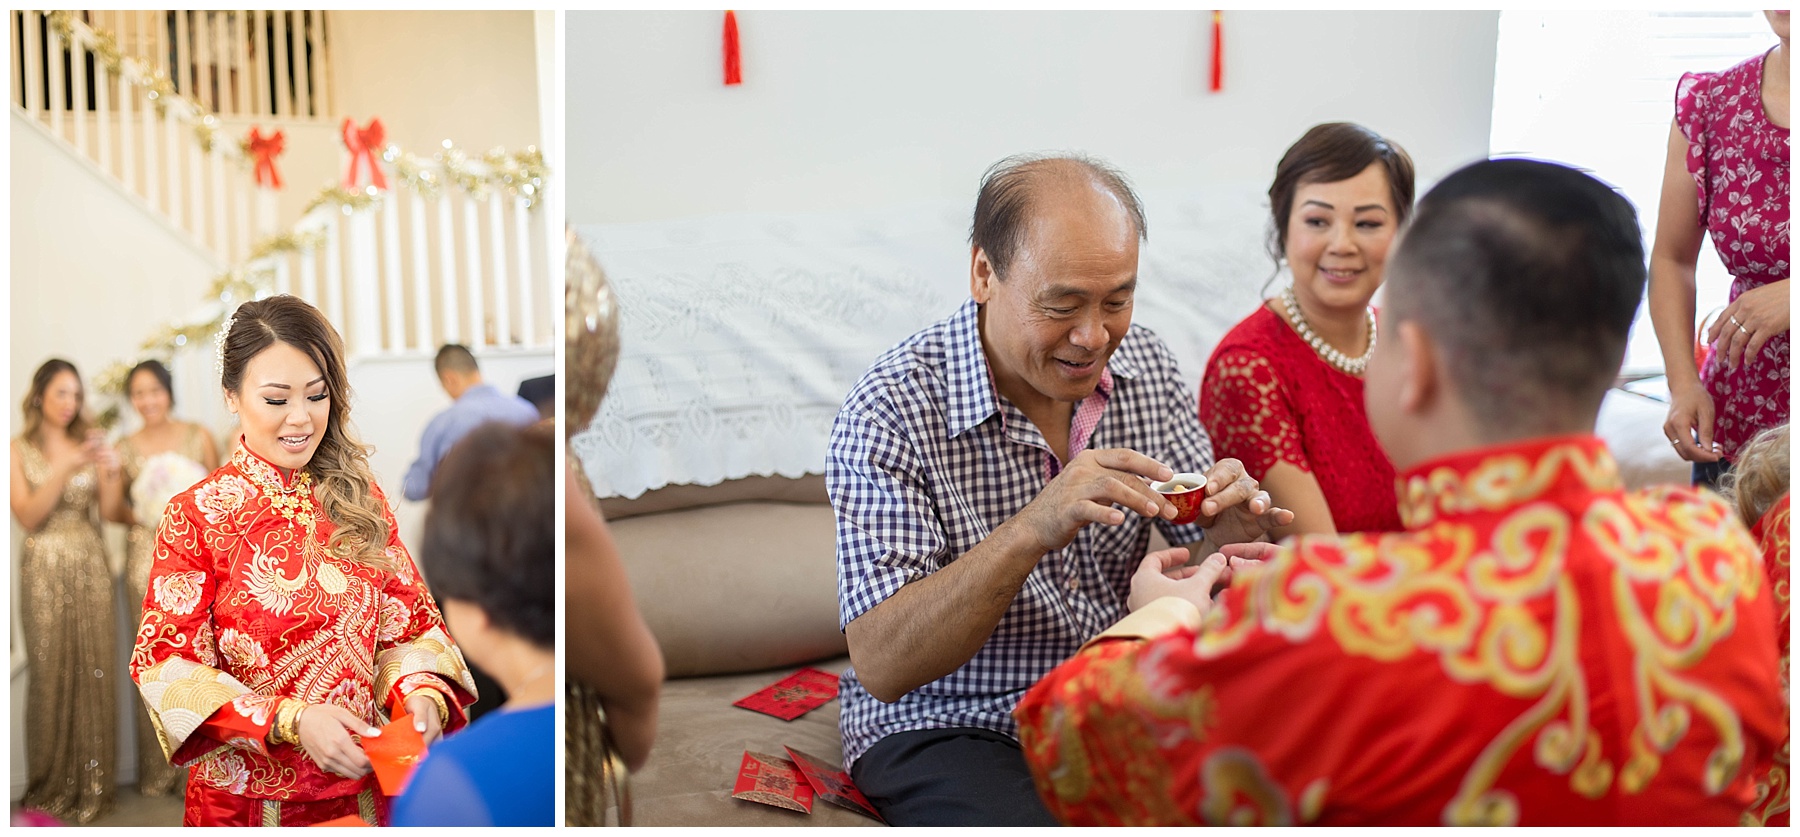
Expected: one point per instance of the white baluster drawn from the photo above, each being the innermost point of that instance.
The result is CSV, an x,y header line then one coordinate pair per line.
x,y
446,273
171,161
240,62
471,236
202,93
317,79
309,263
334,274
302,72
497,253
53,47
34,61
259,97
196,224
284,282
527,279
78,94
183,71
157,22
390,268
127,126
217,226
152,171
265,211
14,17
364,294
421,273
103,117
283,105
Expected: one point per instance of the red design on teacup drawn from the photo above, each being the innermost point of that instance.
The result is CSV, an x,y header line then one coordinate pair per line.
x,y
1186,492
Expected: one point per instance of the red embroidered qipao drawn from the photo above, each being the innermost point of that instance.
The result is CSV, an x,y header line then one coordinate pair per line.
x,y
245,608
1539,647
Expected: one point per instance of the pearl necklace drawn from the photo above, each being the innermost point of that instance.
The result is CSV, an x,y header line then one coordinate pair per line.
x,y
1345,364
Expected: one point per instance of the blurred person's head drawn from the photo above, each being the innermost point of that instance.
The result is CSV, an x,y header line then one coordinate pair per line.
x,y
1759,476
1510,298
54,401
151,390
590,335
281,364
490,540
456,369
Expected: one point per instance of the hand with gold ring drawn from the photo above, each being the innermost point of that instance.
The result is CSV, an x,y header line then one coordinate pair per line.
x,y
1750,321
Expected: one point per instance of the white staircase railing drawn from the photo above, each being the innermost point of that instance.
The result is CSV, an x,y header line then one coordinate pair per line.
x,y
235,63
121,114
453,252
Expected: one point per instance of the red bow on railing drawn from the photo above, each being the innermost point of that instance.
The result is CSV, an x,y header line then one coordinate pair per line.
x,y
265,150
363,145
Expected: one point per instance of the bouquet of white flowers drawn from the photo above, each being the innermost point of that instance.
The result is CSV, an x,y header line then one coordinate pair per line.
x,y
164,476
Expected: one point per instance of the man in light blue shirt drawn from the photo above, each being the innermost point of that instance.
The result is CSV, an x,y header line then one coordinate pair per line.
x,y
476,403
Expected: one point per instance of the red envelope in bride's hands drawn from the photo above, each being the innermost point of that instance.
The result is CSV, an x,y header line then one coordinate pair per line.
x,y
796,695
345,821
830,783
772,780
395,753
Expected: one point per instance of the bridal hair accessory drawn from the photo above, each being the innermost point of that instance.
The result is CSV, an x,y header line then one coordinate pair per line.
x,y
219,343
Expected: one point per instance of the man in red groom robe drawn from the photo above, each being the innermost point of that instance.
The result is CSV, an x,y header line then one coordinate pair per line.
x,y
1539,646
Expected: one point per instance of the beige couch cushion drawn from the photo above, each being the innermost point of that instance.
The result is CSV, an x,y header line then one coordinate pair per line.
x,y
701,739
807,489
736,587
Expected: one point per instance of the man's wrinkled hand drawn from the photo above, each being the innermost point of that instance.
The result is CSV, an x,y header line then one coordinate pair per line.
x,y
1086,491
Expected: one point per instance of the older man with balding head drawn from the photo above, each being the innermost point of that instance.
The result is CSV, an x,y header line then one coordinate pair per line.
x,y
992,482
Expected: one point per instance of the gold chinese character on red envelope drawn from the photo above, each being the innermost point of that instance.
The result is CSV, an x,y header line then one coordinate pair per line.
x,y
773,780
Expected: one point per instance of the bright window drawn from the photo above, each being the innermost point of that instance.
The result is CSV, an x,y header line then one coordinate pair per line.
x,y
1597,90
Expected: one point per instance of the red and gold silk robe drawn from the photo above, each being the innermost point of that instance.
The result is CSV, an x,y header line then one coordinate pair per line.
x,y
246,608
1539,647
1771,531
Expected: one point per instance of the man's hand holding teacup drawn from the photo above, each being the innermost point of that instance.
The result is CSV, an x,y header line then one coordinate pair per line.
x,y
1087,489
1236,509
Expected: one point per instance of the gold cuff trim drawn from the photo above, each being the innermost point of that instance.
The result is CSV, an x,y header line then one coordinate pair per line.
x,y
436,697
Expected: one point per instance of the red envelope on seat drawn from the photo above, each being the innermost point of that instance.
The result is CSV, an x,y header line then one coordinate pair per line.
x,y
395,753
773,780
795,695
830,783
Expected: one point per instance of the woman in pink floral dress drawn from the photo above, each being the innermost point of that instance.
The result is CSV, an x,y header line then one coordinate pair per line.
x,y
1727,174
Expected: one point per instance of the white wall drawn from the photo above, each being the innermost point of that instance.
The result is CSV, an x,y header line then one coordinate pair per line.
x,y
470,77
867,109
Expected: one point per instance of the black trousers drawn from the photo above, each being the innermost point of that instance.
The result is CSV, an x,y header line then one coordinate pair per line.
x,y
960,776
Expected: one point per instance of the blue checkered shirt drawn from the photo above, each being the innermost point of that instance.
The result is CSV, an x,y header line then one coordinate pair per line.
x,y
926,460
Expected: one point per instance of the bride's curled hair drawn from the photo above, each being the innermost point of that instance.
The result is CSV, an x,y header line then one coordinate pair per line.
x,y
340,465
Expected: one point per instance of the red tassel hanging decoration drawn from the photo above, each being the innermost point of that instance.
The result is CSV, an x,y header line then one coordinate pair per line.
x,y
1218,53
734,67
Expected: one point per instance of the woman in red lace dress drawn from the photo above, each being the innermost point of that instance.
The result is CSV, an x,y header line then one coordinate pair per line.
x,y
1283,392
283,617
1727,176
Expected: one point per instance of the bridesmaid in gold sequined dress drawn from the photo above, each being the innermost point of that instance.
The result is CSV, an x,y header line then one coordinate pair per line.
x,y
61,472
164,458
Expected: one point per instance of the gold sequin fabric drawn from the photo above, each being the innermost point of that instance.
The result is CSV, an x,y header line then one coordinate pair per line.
x,y
67,609
156,776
